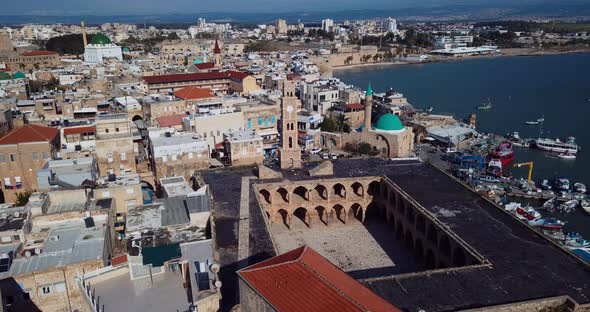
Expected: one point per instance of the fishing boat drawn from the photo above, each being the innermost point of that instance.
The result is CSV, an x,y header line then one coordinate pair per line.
x,y
566,156
485,106
494,167
568,206
504,152
561,184
550,205
545,185
542,119
558,146
554,234
429,109
577,243
512,206
531,123
549,223
527,213
585,205
579,187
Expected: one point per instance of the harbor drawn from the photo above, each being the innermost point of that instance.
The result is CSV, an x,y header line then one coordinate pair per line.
x,y
538,118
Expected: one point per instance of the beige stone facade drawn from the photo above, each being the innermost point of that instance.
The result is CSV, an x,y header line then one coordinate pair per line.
x,y
114,145
290,152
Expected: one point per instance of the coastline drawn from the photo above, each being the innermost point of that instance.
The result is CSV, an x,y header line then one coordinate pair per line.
x,y
511,52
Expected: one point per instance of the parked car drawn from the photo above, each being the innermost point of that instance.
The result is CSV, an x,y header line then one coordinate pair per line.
x,y
325,156
316,150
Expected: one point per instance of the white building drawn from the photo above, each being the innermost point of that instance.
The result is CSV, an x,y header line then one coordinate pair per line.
x,y
447,42
101,48
212,125
327,25
390,25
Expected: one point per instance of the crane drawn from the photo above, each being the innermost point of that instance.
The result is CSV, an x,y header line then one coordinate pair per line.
x,y
530,164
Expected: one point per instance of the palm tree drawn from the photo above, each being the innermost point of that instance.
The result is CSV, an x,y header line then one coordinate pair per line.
x,y
348,60
342,124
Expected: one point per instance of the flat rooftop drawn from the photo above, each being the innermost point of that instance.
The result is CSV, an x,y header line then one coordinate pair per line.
x,y
525,265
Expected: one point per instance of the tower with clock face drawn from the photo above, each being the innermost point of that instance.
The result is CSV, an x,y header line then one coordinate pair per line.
x,y
290,152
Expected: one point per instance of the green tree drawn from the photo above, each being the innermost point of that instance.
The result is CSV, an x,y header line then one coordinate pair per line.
x,y
348,60
342,123
22,198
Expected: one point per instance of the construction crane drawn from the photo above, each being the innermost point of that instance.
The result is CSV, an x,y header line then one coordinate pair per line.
x,y
530,164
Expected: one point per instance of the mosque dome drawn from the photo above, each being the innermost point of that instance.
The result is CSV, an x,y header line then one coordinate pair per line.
x,y
389,122
18,75
100,39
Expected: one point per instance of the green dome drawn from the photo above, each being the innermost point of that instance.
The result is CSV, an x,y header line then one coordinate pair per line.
x,y
125,49
4,76
389,122
197,61
100,39
18,75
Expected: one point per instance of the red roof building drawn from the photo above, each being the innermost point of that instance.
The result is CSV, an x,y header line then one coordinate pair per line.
x,y
205,66
184,77
39,53
79,130
193,93
303,280
170,121
29,134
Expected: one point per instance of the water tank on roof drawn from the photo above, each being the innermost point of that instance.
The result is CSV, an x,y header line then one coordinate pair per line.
x,y
89,222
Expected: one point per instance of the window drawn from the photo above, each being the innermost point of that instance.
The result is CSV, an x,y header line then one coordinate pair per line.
x,y
46,290
106,130
123,156
173,157
272,119
2,158
249,125
218,133
260,121
45,155
116,129
130,191
13,157
109,158
164,158
190,155
106,194
35,156
266,121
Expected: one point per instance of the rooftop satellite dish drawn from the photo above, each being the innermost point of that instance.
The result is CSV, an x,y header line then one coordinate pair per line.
x,y
215,268
38,251
217,284
27,254
16,214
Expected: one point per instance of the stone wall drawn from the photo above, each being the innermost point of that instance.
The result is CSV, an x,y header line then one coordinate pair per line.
x,y
250,301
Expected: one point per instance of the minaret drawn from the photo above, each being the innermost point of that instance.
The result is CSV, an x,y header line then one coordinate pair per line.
x,y
84,39
217,52
368,108
290,152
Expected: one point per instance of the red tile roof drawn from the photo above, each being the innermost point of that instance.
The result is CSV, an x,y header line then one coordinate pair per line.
x,y
39,53
170,121
355,106
302,280
194,77
216,50
193,93
185,77
29,133
204,66
78,130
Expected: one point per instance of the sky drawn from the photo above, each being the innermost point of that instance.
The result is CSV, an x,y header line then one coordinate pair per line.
x,y
112,7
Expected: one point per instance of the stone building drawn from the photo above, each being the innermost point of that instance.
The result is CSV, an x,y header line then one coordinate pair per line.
x,y
115,150
222,82
244,147
177,154
156,106
354,114
32,60
263,117
23,151
212,125
290,152
101,48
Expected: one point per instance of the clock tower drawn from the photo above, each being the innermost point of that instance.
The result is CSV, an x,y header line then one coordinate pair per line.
x,y
290,152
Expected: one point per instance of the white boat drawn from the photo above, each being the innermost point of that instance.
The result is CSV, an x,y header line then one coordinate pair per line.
x,y
531,123
579,187
557,146
485,106
566,156
585,205
541,119
429,109
569,205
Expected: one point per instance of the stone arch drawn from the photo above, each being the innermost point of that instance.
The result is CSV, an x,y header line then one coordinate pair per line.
x,y
386,148
356,210
285,217
410,214
445,245
322,191
322,214
136,118
283,193
430,260
302,192
147,185
459,258
357,189
339,190
432,236
374,188
420,224
302,214
340,212
399,229
419,248
266,195
409,239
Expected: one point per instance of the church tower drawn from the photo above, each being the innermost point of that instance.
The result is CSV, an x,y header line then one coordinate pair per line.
x,y
290,152
368,108
217,53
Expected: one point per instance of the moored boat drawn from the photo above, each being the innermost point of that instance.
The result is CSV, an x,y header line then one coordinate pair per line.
x,y
485,106
585,205
527,213
567,156
504,152
531,123
557,146
495,167
569,205
550,223
579,187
